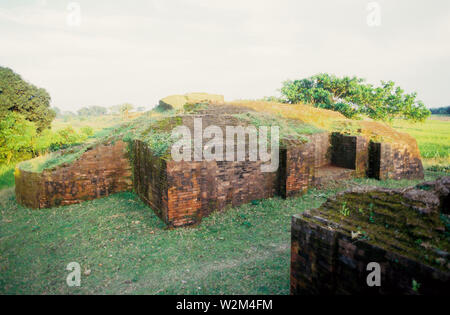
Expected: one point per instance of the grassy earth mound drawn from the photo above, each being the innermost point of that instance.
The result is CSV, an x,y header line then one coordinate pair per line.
x,y
296,121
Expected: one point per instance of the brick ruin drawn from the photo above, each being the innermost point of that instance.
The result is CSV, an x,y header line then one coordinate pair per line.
x,y
181,193
100,172
405,231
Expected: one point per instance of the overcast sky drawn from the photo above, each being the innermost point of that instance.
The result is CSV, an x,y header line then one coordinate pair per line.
x,y
139,51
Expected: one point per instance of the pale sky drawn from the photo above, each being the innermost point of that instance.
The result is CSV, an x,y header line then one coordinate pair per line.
x,y
139,51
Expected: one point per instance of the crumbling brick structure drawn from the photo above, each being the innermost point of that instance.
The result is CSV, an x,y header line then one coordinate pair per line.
x,y
393,161
101,171
181,193
405,231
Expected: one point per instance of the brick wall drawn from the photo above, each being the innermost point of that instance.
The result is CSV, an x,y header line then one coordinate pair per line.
x,y
322,149
99,172
362,156
182,193
395,161
299,169
150,178
326,258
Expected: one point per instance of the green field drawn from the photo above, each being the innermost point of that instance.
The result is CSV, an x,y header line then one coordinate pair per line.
x,y
433,138
123,247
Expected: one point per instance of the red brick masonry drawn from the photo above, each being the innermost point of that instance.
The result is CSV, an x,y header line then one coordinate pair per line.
x,y
101,171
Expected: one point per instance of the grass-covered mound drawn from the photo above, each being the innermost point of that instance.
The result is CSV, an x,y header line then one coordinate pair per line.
x,y
155,129
331,121
295,123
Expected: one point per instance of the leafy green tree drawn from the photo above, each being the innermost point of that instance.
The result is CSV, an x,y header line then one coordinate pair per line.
x,y
16,138
24,98
352,97
126,107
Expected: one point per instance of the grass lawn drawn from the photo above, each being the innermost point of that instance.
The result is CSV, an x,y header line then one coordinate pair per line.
x,y
125,248
6,176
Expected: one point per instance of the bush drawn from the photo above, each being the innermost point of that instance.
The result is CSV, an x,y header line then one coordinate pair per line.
x,y
19,139
16,138
87,131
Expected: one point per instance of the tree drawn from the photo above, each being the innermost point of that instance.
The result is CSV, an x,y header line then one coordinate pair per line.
x,y
352,97
125,108
441,111
19,96
92,111
16,137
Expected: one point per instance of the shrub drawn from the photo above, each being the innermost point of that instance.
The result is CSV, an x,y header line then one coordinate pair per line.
x,y
87,131
16,138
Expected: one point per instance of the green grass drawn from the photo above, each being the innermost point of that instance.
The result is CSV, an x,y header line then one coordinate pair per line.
x,y
289,129
54,159
245,250
433,138
6,176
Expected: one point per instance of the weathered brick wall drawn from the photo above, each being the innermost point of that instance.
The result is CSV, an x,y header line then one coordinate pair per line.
x,y
28,188
198,188
299,169
150,178
299,164
362,156
325,261
99,172
329,257
395,161
182,193
322,149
